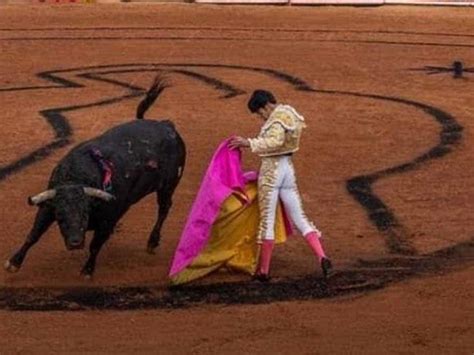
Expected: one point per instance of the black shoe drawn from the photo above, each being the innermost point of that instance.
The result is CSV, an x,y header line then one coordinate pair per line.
x,y
261,277
326,265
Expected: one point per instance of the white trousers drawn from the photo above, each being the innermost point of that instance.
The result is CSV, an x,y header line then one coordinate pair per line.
x,y
277,181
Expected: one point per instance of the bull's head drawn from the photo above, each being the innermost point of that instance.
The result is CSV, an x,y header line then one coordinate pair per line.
x,y
71,205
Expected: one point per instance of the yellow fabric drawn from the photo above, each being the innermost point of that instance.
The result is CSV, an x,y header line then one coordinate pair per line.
x,y
233,240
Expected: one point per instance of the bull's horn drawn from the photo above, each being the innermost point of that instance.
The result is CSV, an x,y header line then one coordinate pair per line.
x,y
90,191
41,197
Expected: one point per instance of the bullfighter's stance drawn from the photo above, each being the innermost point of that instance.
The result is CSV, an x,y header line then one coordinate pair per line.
x,y
278,139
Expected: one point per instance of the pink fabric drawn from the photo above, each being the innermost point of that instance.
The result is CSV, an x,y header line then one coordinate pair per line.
x,y
265,257
314,241
223,177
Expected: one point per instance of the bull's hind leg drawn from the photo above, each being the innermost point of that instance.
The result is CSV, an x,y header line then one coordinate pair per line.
x,y
100,237
164,199
44,219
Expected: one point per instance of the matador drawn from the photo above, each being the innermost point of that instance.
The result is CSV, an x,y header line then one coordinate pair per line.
x,y
276,143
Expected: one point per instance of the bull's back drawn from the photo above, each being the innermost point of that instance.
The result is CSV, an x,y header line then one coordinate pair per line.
x,y
132,148
140,132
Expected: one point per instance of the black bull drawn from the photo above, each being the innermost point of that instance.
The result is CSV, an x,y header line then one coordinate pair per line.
x,y
145,156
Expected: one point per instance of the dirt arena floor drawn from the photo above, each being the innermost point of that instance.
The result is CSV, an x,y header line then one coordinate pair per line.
x,y
385,170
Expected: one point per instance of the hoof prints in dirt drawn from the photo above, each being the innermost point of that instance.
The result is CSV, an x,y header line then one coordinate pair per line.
x,y
364,277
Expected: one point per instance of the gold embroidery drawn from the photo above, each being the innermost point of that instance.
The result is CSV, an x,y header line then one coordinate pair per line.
x,y
272,139
280,134
285,119
266,184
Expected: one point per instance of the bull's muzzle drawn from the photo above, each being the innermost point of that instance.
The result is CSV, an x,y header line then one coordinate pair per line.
x,y
75,244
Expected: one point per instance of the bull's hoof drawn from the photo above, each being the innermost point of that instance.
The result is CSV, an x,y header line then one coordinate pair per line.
x,y
86,273
10,267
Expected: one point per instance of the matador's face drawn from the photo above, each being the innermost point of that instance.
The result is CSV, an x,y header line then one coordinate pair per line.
x,y
266,111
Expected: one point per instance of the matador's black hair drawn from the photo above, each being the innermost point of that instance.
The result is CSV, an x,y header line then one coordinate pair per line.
x,y
259,99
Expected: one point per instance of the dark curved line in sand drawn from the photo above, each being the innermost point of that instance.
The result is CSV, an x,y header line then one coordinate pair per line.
x,y
360,187
362,279
62,129
53,75
229,90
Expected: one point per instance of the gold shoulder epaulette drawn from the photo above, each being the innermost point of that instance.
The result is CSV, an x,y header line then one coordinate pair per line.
x,y
285,119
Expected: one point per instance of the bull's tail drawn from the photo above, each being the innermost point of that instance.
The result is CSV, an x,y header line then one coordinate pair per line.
x,y
159,84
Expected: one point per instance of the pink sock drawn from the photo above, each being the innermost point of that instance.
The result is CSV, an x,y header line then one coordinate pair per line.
x,y
265,257
313,241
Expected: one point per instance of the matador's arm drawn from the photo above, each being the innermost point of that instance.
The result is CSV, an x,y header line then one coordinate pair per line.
x,y
271,140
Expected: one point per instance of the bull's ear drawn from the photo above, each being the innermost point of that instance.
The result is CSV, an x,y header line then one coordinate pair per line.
x,y
41,197
93,192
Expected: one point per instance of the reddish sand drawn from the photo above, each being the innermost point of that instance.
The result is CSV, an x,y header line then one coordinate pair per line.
x,y
348,54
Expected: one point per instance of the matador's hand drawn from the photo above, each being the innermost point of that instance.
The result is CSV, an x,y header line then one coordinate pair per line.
x,y
238,142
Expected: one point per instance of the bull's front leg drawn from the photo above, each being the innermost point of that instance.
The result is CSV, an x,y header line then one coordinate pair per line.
x,y
165,202
100,237
44,218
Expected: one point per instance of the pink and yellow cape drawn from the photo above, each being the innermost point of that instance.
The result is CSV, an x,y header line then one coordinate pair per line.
x,y
222,227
